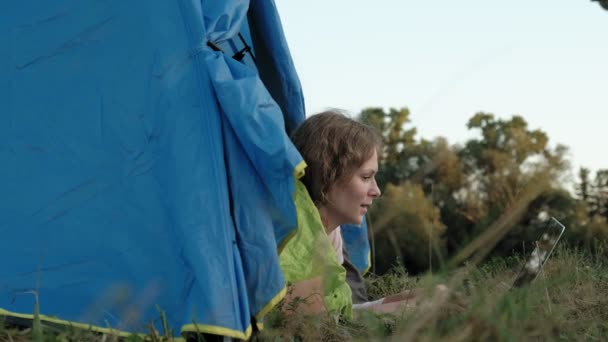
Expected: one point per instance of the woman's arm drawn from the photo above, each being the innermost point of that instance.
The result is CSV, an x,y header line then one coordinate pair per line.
x,y
405,299
305,297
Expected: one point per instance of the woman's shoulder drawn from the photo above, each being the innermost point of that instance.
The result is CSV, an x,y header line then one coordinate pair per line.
x,y
302,198
308,242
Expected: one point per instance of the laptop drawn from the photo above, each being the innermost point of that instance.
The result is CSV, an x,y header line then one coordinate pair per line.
x,y
543,247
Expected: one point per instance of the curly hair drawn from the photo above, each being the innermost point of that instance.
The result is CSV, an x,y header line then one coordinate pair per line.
x,y
334,147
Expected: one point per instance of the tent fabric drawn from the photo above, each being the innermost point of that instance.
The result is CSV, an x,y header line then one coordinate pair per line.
x,y
261,163
273,157
357,245
275,64
141,170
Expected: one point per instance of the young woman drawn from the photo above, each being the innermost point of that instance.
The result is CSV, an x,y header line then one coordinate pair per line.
x,y
338,187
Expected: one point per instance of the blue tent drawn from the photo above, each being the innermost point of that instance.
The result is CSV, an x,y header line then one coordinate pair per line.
x,y
357,245
145,164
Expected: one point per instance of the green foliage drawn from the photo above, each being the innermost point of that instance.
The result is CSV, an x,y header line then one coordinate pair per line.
x,y
505,157
583,188
588,221
394,281
397,141
405,218
597,193
36,324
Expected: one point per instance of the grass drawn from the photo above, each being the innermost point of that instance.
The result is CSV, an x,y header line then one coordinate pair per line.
x,y
569,303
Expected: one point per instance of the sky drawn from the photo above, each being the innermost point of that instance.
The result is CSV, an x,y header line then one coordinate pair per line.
x,y
447,60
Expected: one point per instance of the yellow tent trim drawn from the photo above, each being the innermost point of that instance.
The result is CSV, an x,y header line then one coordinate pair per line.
x,y
83,326
369,263
298,172
271,304
286,240
212,329
194,328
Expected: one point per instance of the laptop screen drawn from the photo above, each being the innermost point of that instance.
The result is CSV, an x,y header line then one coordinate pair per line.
x,y
542,248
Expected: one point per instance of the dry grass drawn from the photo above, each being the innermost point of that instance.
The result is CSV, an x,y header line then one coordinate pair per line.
x,y
569,303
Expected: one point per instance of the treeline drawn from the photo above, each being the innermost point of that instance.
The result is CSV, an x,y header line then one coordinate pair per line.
x,y
439,198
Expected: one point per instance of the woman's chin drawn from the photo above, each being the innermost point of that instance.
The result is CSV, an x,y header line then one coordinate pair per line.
x,y
358,221
352,220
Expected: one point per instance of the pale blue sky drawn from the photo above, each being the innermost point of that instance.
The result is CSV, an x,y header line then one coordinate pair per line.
x,y
546,60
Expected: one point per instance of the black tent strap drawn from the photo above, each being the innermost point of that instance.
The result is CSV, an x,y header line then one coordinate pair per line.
x,y
214,46
239,55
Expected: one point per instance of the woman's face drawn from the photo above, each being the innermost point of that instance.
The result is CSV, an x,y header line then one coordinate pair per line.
x,y
349,201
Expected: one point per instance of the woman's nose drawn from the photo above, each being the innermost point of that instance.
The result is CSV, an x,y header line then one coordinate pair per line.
x,y
375,190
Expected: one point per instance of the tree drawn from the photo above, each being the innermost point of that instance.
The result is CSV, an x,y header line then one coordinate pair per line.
x,y
505,161
406,220
583,187
407,229
397,142
589,224
600,194
438,197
